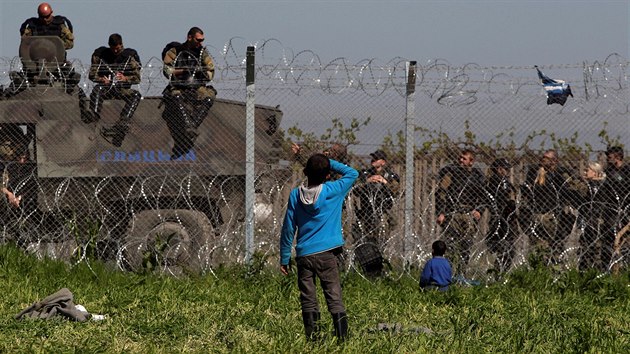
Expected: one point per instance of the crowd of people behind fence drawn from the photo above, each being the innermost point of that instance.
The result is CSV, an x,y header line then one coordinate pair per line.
x,y
554,199
551,202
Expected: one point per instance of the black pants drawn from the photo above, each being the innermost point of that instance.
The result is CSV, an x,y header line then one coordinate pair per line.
x,y
459,231
549,231
501,238
323,266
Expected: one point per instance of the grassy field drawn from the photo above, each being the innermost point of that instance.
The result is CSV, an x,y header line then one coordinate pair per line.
x,y
257,310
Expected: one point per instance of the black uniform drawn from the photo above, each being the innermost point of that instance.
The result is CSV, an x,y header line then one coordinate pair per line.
x,y
546,198
590,222
373,202
105,63
503,221
615,197
460,191
59,27
188,96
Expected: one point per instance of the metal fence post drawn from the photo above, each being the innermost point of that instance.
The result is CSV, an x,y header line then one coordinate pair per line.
x,y
249,154
409,158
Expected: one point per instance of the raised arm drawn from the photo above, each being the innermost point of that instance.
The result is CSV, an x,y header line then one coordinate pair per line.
x,y
348,176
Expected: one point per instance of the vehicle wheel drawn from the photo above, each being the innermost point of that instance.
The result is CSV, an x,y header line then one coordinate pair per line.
x,y
171,241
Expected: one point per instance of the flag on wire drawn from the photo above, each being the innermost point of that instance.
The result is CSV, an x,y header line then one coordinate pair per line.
x,y
557,90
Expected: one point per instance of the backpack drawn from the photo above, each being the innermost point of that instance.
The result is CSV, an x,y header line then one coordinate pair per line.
x,y
168,47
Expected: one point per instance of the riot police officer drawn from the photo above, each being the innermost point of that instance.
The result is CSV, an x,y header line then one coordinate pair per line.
x,y
375,197
503,222
189,68
547,195
114,69
46,24
459,203
616,195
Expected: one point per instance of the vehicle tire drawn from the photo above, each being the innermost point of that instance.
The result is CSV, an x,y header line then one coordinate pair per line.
x,y
173,241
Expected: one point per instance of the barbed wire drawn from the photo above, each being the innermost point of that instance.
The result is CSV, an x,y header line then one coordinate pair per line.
x,y
120,233
281,67
115,212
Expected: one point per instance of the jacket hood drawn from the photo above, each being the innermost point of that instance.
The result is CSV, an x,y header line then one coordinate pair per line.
x,y
309,196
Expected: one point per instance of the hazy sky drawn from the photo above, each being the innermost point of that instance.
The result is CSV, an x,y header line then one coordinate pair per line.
x,y
507,32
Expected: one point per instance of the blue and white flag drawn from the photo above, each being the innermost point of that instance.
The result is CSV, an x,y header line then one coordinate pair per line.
x,y
557,90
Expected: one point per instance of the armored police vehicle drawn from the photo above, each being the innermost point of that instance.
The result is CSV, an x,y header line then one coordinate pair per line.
x,y
132,200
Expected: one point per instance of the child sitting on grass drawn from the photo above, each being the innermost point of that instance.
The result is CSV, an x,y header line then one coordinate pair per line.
x,y
437,272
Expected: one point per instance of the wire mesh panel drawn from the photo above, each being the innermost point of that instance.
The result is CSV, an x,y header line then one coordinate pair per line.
x,y
481,137
500,165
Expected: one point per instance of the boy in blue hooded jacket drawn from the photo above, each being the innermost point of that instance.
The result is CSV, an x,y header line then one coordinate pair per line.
x,y
314,211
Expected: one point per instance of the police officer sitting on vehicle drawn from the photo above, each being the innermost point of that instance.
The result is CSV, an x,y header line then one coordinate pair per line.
x,y
190,69
47,24
114,69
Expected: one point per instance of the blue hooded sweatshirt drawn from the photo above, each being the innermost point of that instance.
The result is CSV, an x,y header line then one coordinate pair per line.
x,y
437,272
315,213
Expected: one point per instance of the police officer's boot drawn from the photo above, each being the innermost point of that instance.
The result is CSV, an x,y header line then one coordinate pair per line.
x,y
116,134
311,325
340,324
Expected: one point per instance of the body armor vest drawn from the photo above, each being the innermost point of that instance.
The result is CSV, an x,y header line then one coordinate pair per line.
x,y
39,28
191,59
111,63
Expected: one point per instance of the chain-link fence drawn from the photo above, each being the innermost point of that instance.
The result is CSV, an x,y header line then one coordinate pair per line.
x,y
170,196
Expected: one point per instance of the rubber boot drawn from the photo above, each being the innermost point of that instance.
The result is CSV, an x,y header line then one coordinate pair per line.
x,y
311,325
340,324
116,133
